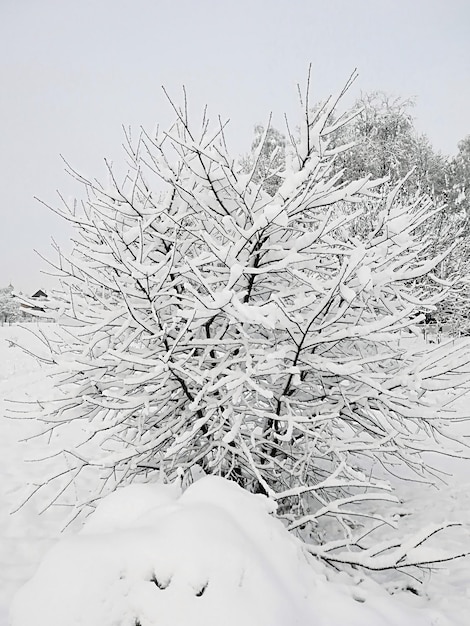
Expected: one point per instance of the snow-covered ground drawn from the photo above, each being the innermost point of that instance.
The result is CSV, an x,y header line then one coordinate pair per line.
x,y
27,535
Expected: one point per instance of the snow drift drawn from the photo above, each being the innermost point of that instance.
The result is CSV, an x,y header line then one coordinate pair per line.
x,y
151,555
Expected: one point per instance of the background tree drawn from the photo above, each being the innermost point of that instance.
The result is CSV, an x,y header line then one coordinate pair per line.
x,y
384,138
459,179
386,143
10,310
266,160
455,224
218,328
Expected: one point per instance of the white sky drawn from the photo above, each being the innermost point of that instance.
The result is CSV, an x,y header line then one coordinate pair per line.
x,y
73,71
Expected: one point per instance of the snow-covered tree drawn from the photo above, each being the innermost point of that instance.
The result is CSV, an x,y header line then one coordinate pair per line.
x,y
454,225
267,158
386,143
9,307
460,177
207,326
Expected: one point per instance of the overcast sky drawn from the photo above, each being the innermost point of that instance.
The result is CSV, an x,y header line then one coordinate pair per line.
x,y
73,71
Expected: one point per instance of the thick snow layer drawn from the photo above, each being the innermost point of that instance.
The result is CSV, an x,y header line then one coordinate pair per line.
x,y
212,555
210,533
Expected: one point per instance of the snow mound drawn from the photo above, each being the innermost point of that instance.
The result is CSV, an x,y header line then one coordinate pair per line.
x,y
153,556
